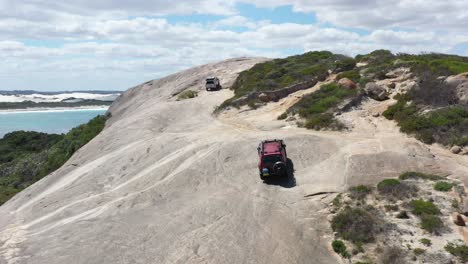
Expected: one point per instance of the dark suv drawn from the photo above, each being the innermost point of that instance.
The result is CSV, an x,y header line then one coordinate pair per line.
x,y
273,159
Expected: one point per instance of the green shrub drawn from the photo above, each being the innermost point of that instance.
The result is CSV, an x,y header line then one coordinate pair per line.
x,y
345,64
340,248
353,75
428,213
323,121
360,191
187,95
421,207
392,255
419,251
283,116
431,223
419,175
356,225
395,189
317,107
443,186
426,242
337,201
461,251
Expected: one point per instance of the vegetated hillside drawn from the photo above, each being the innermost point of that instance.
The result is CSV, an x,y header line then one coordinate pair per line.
x,y
411,219
279,73
26,157
434,109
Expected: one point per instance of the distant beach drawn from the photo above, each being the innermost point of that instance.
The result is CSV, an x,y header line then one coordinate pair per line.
x,y
54,109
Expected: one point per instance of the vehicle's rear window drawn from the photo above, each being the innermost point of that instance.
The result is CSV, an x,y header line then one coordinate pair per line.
x,y
271,158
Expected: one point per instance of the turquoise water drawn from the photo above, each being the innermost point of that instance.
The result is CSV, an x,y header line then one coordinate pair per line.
x,y
46,121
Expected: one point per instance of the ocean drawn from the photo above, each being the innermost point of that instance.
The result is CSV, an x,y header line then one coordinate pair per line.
x,y
48,121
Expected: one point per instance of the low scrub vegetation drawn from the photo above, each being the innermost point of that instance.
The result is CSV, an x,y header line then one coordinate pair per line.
x,y
419,175
356,224
443,186
428,213
448,125
280,73
317,108
431,111
379,62
353,75
340,248
359,192
394,188
393,255
421,207
29,156
21,143
187,95
425,241
459,250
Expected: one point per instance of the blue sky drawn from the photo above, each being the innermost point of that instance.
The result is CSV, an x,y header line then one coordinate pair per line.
x,y
113,45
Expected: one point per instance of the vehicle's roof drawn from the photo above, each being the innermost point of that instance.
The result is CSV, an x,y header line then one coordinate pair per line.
x,y
271,147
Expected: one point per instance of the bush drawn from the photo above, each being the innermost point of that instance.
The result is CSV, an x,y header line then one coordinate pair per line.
x,y
419,251
337,200
419,175
282,116
426,242
340,248
356,225
353,75
396,189
428,213
461,251
360,191
318,107
431,223
421,207
187,95
323,121
443,186
392,255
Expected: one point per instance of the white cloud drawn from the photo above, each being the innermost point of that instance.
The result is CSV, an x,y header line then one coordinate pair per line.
x,y
116,44
375,14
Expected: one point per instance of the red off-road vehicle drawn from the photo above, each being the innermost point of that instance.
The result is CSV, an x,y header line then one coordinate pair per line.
x,y
273,159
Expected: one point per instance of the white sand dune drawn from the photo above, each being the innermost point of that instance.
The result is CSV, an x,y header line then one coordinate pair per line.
x,y
168,182
40,98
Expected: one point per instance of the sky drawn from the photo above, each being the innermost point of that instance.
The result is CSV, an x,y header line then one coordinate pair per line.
x,y
116,44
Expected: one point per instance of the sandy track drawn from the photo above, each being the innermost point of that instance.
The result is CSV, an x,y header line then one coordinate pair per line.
x,y
167,182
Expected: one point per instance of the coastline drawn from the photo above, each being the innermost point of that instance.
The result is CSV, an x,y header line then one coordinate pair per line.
x,y
54,109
